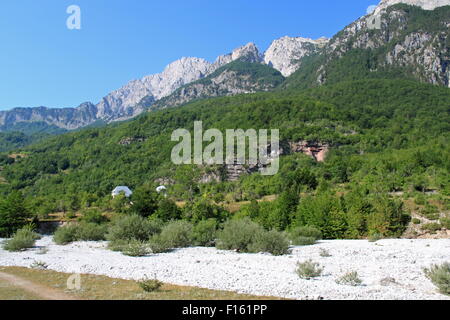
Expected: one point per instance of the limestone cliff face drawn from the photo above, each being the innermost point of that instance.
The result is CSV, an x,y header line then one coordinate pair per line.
x,y
395,38
424,4
286,54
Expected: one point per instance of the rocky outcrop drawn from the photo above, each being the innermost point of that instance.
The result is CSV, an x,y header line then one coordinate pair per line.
x,y
286,54
421,52
316,150
424,4
235,78
66,118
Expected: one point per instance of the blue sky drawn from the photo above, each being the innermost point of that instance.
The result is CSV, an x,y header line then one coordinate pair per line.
x,y
42,62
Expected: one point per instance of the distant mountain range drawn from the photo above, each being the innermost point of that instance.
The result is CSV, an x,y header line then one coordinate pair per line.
x,y
410,43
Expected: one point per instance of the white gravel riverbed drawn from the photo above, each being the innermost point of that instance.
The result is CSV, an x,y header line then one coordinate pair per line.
x,y
262,274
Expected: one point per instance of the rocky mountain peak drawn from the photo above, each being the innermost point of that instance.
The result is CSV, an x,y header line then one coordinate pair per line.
x,y
285,54
424,4
248,53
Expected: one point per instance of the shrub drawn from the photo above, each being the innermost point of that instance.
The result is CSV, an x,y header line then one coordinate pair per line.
x,y
440,277
158,245
308,270
445,222
324,253
374,237
93,216
204,210
66,234
150,285
238,235
177,234
23,239
416,221
40,265
204,233
133,227
432,227
273,242
350,279
167,210
304,241
135,248
305,236
91,232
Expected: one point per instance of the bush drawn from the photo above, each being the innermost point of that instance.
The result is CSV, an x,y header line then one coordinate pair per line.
x,y
204,233
135,248
432,227
91,232
416,221
93,216
238,235
204,210
273,242
305,236
133,227
374,237
150,285
304,241
445,222
350,279
440,277
23,239
66,234
159,245
324,253
176,234
167,210
308,270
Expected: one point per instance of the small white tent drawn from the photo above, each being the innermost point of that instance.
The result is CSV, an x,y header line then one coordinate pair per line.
x,y
121,189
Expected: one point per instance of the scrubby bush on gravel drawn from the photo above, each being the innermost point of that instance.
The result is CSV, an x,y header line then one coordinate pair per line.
x,y
440,277
349,279
305,236
177,234
324,253
91,232
308,270
80,232
135,248
238,235
204,233
133,227
158,245
23,239
66,234
150,285
273,242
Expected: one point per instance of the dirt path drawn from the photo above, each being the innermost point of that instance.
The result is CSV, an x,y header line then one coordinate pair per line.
x,y
36,289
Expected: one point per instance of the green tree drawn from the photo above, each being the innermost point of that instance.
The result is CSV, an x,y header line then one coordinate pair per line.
x,y
145,201
13,214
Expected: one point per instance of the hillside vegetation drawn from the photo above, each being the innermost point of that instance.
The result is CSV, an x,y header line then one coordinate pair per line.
x,y
385,135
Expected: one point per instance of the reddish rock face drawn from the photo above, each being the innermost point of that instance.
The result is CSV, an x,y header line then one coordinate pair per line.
x,y
316,150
